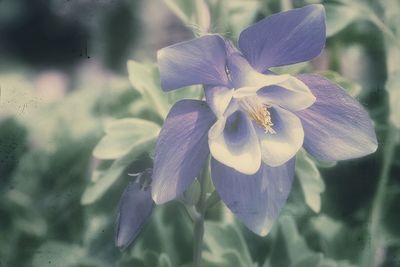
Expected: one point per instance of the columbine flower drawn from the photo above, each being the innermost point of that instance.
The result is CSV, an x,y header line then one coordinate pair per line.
x,y
254,121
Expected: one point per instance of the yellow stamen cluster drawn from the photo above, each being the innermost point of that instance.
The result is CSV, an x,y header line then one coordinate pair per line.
x,y
259,113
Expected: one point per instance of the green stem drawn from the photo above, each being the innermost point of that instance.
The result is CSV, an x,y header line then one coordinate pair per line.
x,y
384,28
372,248
191,212
199,222
198,242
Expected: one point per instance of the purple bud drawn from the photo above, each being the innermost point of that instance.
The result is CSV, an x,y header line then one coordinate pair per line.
x,y
135,207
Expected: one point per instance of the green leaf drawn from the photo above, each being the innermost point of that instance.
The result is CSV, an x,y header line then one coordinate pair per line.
x,y
125,141
150,258
230,17
296,245
326,227
59,254
241,14
190,92
228,258
203,19
168,231
309,261
336,239
354,89
393,89
192,194
164,261
100,167
310,180
325,164
122,136
27,217
183,9
54,253
194,14
339,16
96,189
392,44
392,219
131,262
332,263
393,82
145,79
225,242
293,69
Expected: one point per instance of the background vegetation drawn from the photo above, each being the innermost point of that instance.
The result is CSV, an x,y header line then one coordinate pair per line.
x,y
64,80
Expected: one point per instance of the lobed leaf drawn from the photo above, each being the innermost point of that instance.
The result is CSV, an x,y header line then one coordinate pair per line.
x,y
310,180
122,136
339,16
96,189
226,246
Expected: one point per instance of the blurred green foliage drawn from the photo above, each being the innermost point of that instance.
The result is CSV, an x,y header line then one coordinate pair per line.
x,y
64,163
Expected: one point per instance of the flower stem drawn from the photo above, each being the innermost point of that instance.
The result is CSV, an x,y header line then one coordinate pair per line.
x,y
199,222
372,249
198,242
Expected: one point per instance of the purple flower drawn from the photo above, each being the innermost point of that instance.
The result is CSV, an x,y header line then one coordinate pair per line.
x,y
254,121
135,207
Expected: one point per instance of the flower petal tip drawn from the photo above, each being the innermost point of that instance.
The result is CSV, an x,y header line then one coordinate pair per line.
x,y
249,170
372,147
158,198
312,100
265,230
318,7
161,66
318,10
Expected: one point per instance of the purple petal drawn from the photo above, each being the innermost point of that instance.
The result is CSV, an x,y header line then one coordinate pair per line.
x,y
135,207
197,61
181,149
336,126
255,199
240,71
285,38
279,147
234,143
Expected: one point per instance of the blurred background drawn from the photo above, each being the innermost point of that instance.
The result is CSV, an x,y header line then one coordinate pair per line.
x,y
64,77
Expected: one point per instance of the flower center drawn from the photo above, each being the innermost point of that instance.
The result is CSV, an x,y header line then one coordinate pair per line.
x,y
258,112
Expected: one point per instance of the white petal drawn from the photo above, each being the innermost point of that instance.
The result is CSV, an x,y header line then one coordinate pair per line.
x,y
278,148
283,90
245,92
218,98
291,94
234,143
